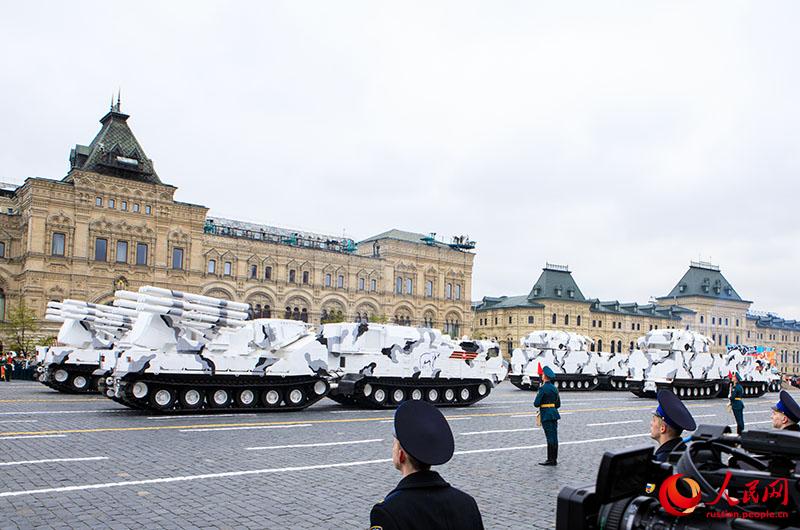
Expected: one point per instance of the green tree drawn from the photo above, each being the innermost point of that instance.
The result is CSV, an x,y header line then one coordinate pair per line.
x,y
379,319
20,328
333,317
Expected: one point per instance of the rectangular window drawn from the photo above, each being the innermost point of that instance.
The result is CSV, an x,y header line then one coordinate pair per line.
x,y
340,281
305,277
713,320
398,286
448,291
147,210
458,291
112,203
292,276
253,272
122,252
177,258
141,253
268,273
409,286
135,208
57,248
373,285
212,266
600,324
594,323
509,320
2,250
124,206
429,288
361,284
100,249
327,280
227,268
98,201
530,320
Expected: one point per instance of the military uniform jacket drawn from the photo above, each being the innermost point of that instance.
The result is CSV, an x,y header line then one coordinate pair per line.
x,y
665,449
548,394
738,392
424,501
793,427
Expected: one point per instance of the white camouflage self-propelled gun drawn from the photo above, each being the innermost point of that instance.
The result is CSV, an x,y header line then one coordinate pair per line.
x,y
612,370
382,365
190,352
676,360
564,352
88,332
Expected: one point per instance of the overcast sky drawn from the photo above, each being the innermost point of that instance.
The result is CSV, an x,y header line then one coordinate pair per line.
x,y
621,138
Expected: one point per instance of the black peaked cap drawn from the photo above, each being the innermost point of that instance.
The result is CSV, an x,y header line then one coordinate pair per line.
x,y
423,432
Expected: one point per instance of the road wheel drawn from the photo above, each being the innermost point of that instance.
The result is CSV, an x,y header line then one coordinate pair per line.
x,y
379,395
398,395
61,376
190,399
219,399
271,398
295,396
80,382
433,395
163,399
246,398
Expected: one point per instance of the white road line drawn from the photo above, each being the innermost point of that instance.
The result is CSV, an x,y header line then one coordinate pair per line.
x,y
522,415
19,421
498,431
324,444
704,416
85,459
612,423
733,426
458,418
246,428
386,421
757,411
229,474
26,412
351,411
2,438
513,402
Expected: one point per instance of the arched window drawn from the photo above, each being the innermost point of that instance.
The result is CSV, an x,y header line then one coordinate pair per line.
x,y
510,346
631,346
702,319
266,312
619,346
612,346
566,320
288,314
599,344
448,291
256,311
555,317
591,347
292,274
2,305
578,320
327,280
296,313
304,315
305,277
212,266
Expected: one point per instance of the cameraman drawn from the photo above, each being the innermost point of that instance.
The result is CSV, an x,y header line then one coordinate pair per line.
x,y
786,413
670,419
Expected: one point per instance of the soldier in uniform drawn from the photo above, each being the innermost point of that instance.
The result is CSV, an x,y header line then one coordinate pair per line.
x,y
786,413
422,499
670,419
736,403
548,401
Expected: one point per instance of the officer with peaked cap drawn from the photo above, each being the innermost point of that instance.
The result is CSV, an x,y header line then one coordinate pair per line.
x,y
736,403
422,499
548,401
786,413
670,419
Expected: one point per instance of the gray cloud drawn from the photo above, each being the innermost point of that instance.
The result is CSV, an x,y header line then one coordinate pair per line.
x,y
621,139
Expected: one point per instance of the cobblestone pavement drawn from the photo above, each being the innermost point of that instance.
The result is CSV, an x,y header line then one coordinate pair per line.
x,y
87,462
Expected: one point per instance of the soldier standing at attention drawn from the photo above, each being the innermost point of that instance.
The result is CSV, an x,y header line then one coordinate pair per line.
x,y
548,401
786,413
422,499
670,419
737,406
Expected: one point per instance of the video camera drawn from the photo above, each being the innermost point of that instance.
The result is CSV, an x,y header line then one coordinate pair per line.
x,y
750,481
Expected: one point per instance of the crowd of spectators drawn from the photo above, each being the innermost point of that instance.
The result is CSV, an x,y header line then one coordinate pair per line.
x,y
15,365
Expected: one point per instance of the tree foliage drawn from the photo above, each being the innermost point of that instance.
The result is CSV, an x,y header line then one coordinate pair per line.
x,y
20,329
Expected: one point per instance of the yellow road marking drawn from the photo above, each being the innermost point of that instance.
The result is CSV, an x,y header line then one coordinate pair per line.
x,y
294,422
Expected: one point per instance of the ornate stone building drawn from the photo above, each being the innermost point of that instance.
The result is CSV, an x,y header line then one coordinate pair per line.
x,y
703,300
111,223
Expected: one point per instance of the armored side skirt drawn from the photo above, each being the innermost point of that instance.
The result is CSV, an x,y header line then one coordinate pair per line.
x,y
389,392
697,388
566,382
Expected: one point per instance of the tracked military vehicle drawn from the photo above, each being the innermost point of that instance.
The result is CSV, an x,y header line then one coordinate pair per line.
x,y
680,360
564,352
758,375
190,353
612,370
88,331
382,365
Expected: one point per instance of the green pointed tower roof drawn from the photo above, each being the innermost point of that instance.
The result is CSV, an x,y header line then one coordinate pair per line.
x,y
556,283
706,280
114,151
